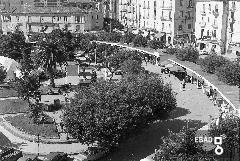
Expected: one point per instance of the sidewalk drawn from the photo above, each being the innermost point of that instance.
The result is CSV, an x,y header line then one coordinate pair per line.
x,y
32,147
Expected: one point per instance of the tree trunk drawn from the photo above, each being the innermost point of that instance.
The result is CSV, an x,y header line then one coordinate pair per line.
x,y
51,77
224,26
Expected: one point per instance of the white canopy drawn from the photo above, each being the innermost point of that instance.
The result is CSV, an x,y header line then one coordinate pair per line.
x,y
11,67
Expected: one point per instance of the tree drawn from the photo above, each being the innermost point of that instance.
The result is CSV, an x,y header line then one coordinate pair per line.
x,y
3,74
131,66
12,45
128,37
26,62
212,62
115,24
155,44
188,54
27,88
50,51
108,112
181,145
229,73
229,128
140,41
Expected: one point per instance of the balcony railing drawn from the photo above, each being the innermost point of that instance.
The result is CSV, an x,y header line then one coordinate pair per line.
x,y
215,25
232,8
165,18
202,24
166,7
215,13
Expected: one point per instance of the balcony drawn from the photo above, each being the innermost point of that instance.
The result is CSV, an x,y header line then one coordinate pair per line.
x,y
215,13
203,13
232,20
202,24
166,7
215,25
232,8
165,19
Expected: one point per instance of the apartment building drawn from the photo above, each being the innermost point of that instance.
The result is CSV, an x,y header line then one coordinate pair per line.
x,y
217,25
172,18
110,8
33,19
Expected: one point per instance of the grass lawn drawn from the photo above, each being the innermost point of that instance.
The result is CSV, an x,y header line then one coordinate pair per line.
x,y
4,92
25,124
4,141
13,106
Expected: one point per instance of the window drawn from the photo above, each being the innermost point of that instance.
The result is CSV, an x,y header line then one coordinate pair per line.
x,y
65,18
207,32
144,5
162,13
189,26
17,17
162,26
216,8
58,18
144,23
154,25
30,28
182,13
202,31
179,27
202,19
203,7
155,10
214,33
148,5
21,2
190,3
170,15
97,17
208,19
181,2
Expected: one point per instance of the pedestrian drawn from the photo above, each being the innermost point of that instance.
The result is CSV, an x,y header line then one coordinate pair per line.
x,y
211,91
215,97
184,85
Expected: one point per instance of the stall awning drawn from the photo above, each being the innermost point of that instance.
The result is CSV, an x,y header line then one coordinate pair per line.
x,y
176,69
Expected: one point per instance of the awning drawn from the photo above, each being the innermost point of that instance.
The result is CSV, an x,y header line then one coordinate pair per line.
x,y
169,66
159,35
176,69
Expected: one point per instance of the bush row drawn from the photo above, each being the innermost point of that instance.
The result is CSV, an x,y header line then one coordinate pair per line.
x,y
226,70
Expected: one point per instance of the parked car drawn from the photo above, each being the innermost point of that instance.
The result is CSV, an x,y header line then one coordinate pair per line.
x,y
56,156
91,154
203,52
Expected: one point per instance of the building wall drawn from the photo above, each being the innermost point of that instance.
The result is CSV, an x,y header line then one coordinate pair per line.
x,y
34,22
162,15
207,21
184,18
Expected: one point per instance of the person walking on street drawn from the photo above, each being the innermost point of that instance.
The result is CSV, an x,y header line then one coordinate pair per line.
x,y
215,97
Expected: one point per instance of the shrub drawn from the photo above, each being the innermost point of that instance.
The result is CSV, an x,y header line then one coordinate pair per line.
x,y
212,62
128,38
229,73
171,51
188,54
139,41
115,37
155,44
3,74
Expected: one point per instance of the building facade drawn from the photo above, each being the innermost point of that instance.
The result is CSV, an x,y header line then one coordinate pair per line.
x,y
217,25
34,20
174,18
